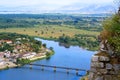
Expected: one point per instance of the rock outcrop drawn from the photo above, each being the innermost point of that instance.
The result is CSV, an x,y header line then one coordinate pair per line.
x,y
105,65
104,68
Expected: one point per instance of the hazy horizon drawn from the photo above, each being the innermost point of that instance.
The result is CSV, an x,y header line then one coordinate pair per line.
x,y
51,6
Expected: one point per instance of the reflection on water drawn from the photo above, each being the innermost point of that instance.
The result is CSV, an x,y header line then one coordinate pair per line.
x,y
65,45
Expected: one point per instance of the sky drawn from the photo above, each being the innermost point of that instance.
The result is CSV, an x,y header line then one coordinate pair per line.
x,y
49,3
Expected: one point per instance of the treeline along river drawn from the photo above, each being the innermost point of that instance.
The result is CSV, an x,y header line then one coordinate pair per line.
x,y
74,57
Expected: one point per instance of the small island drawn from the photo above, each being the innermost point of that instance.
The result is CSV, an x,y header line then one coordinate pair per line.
x,y
17,50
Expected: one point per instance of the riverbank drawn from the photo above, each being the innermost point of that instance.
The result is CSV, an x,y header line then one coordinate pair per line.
x,y
9,64
76,37
39,57
18,49
73,42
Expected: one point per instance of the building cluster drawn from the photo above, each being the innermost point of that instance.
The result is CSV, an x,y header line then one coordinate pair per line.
x,y
19,50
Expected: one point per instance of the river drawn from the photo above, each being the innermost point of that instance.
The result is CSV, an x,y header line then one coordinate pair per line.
x,y
74,57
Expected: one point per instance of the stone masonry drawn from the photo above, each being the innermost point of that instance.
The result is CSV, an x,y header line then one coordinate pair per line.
x,y
103,68
105,65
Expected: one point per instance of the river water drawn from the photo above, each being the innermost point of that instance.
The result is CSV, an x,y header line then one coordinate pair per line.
x,y
74,57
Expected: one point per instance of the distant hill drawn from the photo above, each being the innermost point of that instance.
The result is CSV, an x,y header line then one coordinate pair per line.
x,y
89,9
73,8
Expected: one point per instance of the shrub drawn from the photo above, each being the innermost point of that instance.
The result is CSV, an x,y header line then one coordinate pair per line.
x,y
111,33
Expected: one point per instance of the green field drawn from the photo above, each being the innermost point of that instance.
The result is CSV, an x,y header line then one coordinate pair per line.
x,y
53,32
68,29
49,31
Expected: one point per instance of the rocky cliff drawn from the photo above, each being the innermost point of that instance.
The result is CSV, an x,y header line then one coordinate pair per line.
x,y
105,64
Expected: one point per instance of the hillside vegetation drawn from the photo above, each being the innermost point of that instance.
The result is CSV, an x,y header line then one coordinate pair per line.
x,y
111,33
68,29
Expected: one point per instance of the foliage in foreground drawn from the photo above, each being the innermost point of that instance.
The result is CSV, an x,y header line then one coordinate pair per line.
x,y
111,33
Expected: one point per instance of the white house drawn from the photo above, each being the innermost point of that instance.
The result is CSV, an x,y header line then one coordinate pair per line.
x,y
7,54
8,41
29,55
33,53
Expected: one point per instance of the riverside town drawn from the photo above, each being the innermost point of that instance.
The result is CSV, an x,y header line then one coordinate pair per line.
x,y
20,49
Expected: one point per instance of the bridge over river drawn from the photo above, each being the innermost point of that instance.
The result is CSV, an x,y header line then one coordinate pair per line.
x,y
67,69
73,59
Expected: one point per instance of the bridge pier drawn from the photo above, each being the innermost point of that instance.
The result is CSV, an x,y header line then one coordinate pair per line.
x,y
67,71
30,66
55,69
76,71
42,67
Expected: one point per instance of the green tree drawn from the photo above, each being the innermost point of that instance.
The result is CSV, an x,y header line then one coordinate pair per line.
x,y
6,46
44,45
51,48
35,47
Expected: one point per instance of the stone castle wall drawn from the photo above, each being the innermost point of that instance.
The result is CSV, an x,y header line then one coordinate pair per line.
x,y
104,68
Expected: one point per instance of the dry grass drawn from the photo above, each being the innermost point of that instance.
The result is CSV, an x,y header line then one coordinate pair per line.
x,y
102,53
114,61
51,31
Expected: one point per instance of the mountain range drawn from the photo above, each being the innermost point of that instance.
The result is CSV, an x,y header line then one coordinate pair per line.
x,y
73,8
